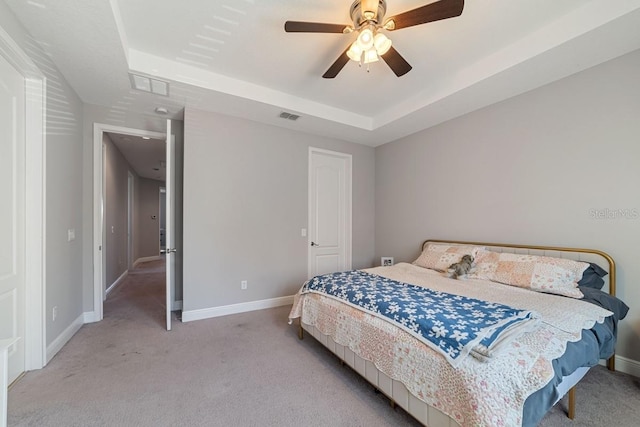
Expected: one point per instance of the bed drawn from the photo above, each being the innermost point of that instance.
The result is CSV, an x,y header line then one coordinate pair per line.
x,y
539,339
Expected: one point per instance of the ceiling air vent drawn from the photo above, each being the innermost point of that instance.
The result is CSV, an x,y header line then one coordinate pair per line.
x,y
147,84
285,115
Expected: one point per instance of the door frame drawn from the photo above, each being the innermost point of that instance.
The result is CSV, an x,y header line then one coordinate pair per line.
x,y
170,253
35,207
130,215
99,231
348,208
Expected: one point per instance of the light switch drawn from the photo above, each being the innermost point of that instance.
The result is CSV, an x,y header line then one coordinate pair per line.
x,y
71,234
303,232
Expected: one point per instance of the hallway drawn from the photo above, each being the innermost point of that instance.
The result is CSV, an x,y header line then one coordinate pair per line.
x,y
141,296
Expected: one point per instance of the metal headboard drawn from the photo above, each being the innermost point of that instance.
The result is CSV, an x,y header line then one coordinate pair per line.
x,y
578,254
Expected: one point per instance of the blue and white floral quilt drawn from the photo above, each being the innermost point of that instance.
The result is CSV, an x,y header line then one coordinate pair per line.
x,y
454,325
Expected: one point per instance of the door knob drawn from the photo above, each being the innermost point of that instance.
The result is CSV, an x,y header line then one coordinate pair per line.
x,y
314,244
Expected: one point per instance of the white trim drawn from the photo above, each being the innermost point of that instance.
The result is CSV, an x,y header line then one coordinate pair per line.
x,y
130,214
98,208
89,317
64,337
147,259
117,282
169,226
35,189
36,250
4,376
207,313
628,366
98,222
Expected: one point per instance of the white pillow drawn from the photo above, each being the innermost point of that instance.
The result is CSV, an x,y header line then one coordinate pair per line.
x,y
440,256
539,273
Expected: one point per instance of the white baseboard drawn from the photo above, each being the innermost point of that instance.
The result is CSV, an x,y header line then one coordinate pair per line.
x,y
64,337
117,282
90,317
628,366
207,313
147,259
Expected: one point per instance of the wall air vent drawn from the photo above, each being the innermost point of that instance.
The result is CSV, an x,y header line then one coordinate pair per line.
x,y
285,115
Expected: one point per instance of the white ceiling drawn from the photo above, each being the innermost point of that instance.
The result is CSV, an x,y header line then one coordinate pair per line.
x,y
234,57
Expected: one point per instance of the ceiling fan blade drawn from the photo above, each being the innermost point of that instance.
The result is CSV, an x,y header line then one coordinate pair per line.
x,y
442,9
337,66
396,62
313,27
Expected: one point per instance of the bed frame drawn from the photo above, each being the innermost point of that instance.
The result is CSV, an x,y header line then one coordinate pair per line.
x,y
432,417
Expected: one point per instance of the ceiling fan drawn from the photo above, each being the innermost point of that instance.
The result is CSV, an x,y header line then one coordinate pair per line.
x,y
369,21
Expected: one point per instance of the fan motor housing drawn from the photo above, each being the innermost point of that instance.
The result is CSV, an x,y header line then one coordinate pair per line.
x,y
358,17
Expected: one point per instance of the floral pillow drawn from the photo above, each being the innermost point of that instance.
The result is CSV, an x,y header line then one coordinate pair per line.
x,y
440,257
538,273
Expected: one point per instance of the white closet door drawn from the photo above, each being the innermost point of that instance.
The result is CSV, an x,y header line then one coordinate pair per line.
x,y
329,212
12,216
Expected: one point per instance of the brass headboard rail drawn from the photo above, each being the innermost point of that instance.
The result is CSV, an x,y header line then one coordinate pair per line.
x,y
612,264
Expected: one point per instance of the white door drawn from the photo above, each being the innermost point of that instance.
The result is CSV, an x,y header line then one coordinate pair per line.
x,y
170,223
12,215
329,211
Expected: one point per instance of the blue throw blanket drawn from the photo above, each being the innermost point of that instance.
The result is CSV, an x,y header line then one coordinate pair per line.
x,y
450,324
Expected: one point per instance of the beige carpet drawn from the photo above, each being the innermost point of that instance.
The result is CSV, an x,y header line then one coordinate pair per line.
x,y
242,370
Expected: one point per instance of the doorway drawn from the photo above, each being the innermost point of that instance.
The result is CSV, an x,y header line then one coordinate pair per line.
x,y
105,229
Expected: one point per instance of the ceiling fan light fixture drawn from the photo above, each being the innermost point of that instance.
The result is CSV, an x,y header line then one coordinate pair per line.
x,y
365,39
370,56
382,43
355,52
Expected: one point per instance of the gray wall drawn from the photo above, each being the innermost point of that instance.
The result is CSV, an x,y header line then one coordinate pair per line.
x,y
116,169
528,170
63,182
245,201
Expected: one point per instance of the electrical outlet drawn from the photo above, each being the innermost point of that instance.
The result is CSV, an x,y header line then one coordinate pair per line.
x,y
243,285
54,313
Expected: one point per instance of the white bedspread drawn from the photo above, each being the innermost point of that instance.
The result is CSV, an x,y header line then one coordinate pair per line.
x,y
474,393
